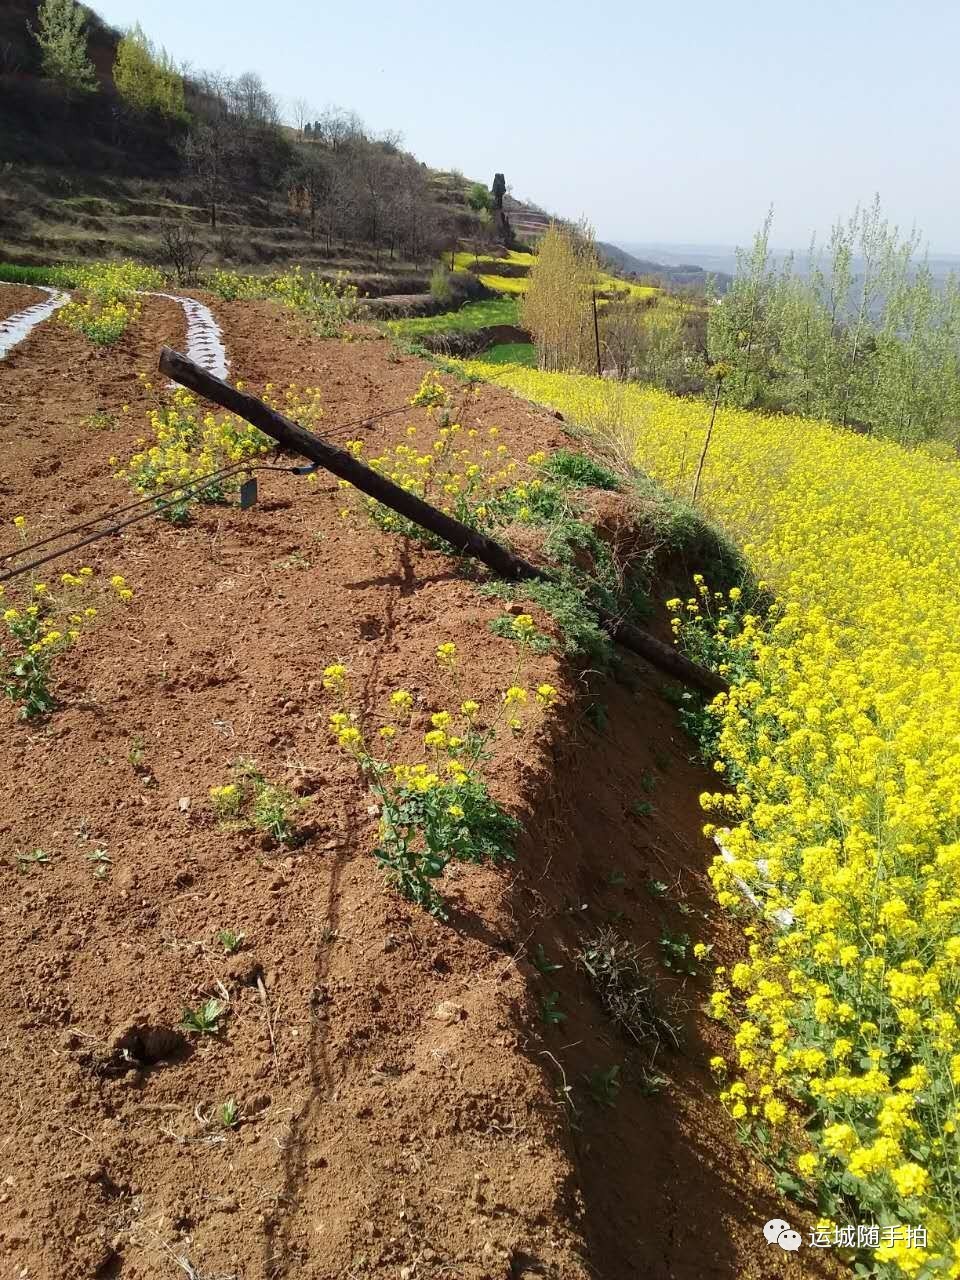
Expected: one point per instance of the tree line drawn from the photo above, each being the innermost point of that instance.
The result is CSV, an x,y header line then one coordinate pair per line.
x,y
865,336
861,334
345,185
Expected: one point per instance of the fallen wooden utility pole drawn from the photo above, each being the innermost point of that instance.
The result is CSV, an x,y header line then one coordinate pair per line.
x,y
462,538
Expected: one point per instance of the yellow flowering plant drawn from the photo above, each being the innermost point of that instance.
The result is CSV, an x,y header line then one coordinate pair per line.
x,y
251,800
111,303
189,447
42,620
102,323
327,304
522,629
469,474
838,744
438,810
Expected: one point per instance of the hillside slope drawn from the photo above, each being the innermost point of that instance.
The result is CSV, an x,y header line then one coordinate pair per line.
x,y
677,275
88,175
409,1096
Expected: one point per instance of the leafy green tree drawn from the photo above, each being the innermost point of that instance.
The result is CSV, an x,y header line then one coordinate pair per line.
x,y
743,332
62,37
864,337
145,78
557,308
479,198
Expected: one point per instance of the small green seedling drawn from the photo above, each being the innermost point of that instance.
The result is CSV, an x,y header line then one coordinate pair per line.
x,y
676,952
230,940
549,1011
26,860
228,1113
616,879
542,962
273,811
99,421
604,1086
651,1082
137,755
204,1021
296,560
252,799
657,888
648,781
641,808
101,863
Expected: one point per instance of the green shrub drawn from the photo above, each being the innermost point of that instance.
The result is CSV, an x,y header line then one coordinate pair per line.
x,y
579,471
440,289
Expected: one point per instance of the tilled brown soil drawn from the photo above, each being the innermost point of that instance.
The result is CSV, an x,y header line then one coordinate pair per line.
x,y
403,1103
17,297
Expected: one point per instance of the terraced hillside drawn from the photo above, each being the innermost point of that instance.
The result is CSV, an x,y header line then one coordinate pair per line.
x,y
233,1047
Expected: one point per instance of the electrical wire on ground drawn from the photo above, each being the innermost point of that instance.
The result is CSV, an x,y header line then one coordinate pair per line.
x,y
153,505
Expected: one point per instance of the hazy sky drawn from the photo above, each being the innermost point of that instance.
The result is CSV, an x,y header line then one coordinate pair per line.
x,y
677,122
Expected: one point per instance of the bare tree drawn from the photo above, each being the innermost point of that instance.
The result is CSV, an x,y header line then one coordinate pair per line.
x,y
482,233
302,114
210,150
372,191
251,102
183,249
311,186
390,140
338,128
335,213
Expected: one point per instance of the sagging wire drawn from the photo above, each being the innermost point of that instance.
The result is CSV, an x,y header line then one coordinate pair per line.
x,y
113,513
155,507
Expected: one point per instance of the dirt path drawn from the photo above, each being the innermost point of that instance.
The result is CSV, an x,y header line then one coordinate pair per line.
x,y
400,1095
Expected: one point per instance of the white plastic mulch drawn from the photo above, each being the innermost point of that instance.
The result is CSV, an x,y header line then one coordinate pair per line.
x,y
16,327
204,336
782,915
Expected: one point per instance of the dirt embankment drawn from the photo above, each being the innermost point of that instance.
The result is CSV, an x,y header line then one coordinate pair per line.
x,y
473,341
401,1098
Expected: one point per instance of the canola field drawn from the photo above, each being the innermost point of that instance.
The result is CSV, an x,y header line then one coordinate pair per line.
x,y
515,285
838,762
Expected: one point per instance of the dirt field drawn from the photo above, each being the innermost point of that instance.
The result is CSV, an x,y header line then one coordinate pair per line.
x,y
402,1101
17,297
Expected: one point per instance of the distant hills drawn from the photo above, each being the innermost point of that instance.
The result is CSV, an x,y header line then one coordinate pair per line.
x,y
676,273
529,222
721,260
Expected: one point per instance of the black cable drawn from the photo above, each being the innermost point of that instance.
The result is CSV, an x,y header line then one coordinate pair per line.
x,y
371,417
115,511
157,507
